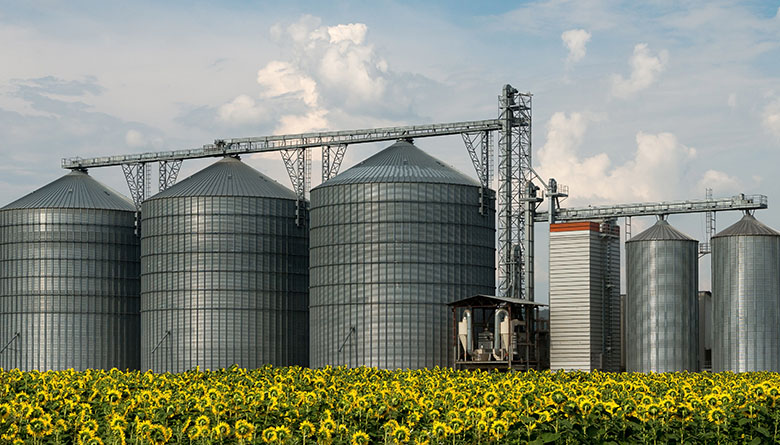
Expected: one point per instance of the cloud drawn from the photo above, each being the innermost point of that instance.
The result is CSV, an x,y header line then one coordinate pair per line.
x,y
732,100
575,41
242,110
720,182
282,78
134,138
771,118
645,68
659,170
329,72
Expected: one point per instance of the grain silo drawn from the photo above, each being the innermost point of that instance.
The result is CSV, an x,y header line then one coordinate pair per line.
x,y
69,278
224,276
746,298
393,240
662,274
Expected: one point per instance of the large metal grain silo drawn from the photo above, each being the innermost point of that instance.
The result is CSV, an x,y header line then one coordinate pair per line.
x,y
69,278
662,275
746,298
224,273
393,240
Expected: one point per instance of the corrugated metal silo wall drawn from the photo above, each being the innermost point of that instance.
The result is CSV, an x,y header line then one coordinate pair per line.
x,y
386,258
662,306
224,282
746,295
69,289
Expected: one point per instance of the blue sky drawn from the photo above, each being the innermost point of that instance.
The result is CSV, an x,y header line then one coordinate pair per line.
x,y
631,103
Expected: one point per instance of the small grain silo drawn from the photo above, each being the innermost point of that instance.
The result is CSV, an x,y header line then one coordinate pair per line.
x,y
224,276
662,274
393,240
746,298
69,278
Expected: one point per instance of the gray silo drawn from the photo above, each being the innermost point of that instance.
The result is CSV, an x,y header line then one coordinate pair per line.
x,y
662,278
746,298
69,278
224,276
393,240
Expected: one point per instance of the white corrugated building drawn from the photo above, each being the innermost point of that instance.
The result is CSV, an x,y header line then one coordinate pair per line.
x,y
585,296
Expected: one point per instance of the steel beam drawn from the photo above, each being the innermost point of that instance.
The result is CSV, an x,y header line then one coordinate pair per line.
x,y
515,173
223,147
298,164
738,202
137,176
331,160
169,170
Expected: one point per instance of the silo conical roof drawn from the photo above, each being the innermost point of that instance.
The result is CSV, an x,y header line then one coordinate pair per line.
x,y
76,190
747,226
661,231
228,177
401,162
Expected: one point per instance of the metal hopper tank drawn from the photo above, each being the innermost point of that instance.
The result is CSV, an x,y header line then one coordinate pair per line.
x,y
746,298
224,273
69,278
662,276
393,240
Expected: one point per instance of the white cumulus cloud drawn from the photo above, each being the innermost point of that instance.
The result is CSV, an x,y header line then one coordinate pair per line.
x,y
134,138
575,41
721,183
242,110
771,118
658,170
282,78
645,68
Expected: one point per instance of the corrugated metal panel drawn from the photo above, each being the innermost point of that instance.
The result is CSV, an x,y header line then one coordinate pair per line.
x,y
661,230
747,226
401,162
228,177
69,281
76,190
746,299
661,302
584,300
224,278
386,258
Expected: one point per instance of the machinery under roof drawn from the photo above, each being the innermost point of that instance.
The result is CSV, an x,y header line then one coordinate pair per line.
x,y
76,190
228,177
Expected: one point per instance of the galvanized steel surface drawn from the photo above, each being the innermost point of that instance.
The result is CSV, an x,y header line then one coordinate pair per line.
x,y
661,301
387,256
746,298
69,279
224,278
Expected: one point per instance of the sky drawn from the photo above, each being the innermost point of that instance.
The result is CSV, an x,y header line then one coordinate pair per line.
x,y
632,102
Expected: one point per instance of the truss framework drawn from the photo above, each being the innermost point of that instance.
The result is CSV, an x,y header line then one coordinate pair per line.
x,y
169,170
514,176
137,176
480,148
332,155
298,164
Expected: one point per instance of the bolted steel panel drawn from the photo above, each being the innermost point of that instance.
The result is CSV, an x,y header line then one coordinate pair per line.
x,y
662,301
69,279
746,298
390,247
224,273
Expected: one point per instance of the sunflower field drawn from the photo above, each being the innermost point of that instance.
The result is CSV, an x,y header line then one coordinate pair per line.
x,y
364,405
